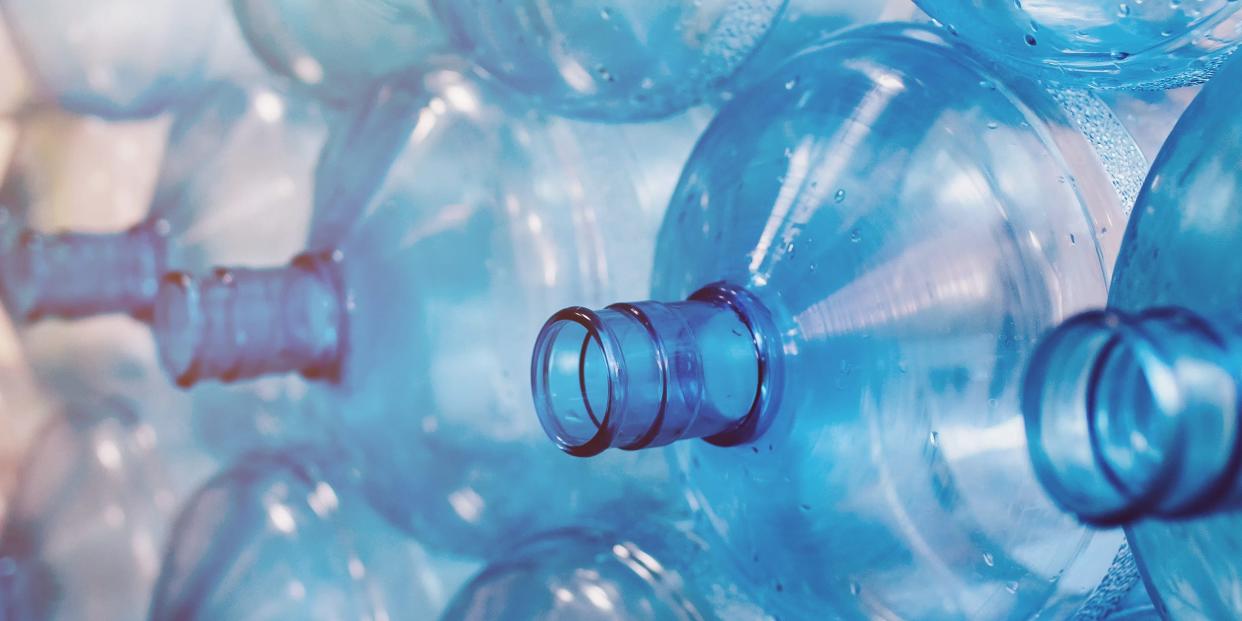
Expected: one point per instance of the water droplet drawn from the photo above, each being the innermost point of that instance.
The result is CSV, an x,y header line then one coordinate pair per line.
x,y
804,507
1073,240
933,439
988,559
788,152
855,236
789,249
605,73
1120,55
1030,39
1012,587
987,84
1123,10
605,13
992,125
839,196
855,588
791,83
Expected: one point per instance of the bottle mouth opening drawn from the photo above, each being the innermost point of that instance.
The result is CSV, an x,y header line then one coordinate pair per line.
x,y
1101,406
575,380
177,324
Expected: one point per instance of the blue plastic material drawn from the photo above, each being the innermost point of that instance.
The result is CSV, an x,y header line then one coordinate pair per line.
x,y
95,498
651,571
1099,43
611,60
235,184
415,316
892,226
1132,412
340,47
287,535
115,58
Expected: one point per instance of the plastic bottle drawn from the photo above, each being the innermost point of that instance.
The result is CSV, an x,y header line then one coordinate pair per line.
x,y
859,256
288,535
1099,43
610,60
1131,411
114,58
479,217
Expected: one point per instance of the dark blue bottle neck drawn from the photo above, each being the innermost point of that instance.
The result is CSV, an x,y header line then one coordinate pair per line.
x,y
236,324
645,374
73,275
1137,415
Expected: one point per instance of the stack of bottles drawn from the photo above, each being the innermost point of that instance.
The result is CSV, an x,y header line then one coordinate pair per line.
x,y
618,310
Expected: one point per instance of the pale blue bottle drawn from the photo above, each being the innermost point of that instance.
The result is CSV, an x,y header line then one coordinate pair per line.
x,y
480,217
610,60
1099,43
115,58
288,535
860,254
649,571
96,494
340,48
1132,411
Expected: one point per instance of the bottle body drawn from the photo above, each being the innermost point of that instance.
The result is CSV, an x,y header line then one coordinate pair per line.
x,y
1098,43
339,48
115,59
1160,394
911,223
287,535
96,496
655,571
611,61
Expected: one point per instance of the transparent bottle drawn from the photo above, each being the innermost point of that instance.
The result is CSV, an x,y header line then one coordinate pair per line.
x,y
650,571
859,256
235,182
610,60
480,217
287,535
1132,410
339,48
114,58
1099,43
96,495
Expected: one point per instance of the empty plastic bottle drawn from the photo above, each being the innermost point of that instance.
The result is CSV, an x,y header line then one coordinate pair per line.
x,y
287,535
651,571
96,495
236,182
481,217
114,58
1132,411
859,256
613,60
340,47
1100,43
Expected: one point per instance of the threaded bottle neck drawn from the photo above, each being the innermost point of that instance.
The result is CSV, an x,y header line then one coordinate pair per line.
x,y
1132,416
242,323
73,275
645,374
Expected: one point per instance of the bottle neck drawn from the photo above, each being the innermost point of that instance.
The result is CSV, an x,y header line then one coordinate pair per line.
x,y
243,323
645,374
75,275
1133,416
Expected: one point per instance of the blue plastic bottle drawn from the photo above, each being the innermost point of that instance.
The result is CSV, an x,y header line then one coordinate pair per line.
x,y
611,60
414,317
1099,43
115,58
97,492
859,256
288,535
340,47
650,571
1132,412
235,182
